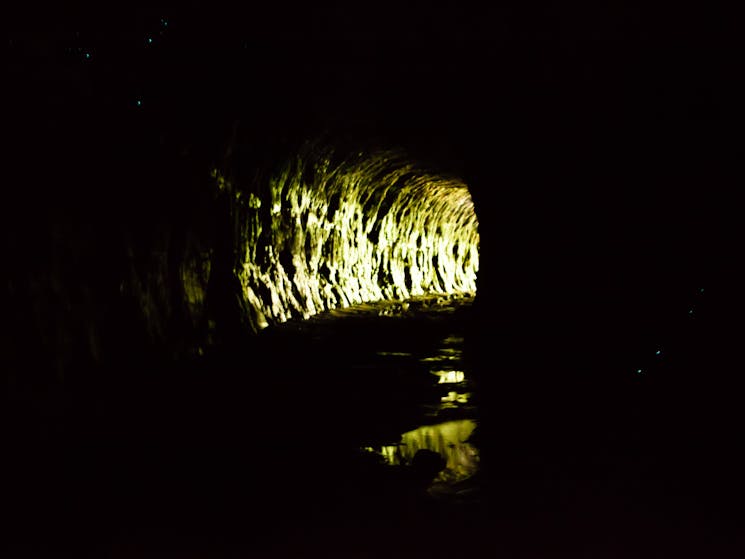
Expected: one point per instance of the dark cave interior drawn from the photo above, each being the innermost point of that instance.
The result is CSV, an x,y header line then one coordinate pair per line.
x,y
603,174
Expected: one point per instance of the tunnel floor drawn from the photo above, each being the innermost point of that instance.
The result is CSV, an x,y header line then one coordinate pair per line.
x,y
290,448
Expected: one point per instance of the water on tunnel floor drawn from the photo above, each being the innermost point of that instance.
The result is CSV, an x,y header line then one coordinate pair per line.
x,y
361,424
347,431
389,379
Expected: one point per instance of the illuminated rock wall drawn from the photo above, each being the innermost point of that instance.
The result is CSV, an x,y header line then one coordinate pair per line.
x,y
327,233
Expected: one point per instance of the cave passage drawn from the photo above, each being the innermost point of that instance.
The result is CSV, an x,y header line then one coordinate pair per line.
x,y
326,232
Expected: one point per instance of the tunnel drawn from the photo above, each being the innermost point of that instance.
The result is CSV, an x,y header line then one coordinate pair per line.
x,y
333,232
178,224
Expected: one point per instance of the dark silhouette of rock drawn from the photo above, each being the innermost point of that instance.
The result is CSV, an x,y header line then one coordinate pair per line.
x,y
425,466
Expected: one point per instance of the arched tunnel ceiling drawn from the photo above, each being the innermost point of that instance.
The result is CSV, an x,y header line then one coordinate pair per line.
x,y
547,128
330,228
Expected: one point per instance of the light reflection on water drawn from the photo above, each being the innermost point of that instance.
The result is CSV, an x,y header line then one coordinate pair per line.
x,y
415,353
448,439
451,438
450,376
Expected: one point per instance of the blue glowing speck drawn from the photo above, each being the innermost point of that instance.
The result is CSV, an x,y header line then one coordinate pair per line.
x,y
638,371
138,103
149,39
690,312
87,55
701,290
658,352
164,22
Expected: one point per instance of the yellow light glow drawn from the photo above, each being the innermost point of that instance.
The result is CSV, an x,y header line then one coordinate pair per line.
x,y
456,397
449,439
447,377
374,227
